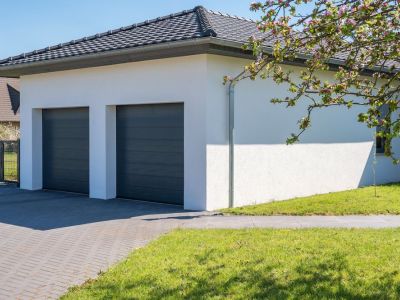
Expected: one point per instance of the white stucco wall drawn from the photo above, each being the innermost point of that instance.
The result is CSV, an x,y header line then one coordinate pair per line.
x,y
101,89
335,154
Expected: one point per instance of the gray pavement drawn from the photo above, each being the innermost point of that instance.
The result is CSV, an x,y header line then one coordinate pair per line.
x,y
237,222
50,241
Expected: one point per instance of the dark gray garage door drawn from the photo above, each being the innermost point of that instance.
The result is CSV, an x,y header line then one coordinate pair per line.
x,y
66,149
150,152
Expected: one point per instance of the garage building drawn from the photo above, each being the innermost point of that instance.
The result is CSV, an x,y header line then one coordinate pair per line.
x,y
141,113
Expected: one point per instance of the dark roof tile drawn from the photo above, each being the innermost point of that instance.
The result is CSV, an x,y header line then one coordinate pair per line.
x,y
181,26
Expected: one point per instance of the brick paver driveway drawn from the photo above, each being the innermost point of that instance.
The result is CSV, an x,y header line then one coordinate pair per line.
x,y
50,241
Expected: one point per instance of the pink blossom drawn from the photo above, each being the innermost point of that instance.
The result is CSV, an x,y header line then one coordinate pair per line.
x,y
342,10
351,22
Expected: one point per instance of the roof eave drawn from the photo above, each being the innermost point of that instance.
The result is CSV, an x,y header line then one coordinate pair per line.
x,y
211,45
140,53
300,58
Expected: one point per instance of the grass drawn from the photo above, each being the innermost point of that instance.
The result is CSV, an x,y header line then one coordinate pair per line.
x,y
356,202
10,166
256,264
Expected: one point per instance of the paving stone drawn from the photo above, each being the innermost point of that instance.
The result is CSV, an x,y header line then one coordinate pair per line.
x,y
50,241
59,239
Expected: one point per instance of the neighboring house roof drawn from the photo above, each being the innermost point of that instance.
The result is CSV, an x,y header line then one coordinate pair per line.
x,y
9,100
209,31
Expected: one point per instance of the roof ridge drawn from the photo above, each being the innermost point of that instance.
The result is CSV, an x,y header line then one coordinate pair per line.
x,y
229,16
106,33
205,23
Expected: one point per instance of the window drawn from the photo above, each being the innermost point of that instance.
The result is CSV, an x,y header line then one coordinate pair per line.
x,y
380,145
380,141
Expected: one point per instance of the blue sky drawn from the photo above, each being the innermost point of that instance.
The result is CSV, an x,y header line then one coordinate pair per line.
x,y
27,25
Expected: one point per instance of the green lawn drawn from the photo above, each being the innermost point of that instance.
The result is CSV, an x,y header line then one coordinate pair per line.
x,y
10,166
256,264
356,202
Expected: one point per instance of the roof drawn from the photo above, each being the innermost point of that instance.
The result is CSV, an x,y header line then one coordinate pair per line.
x,y
9,100
189,25
208,31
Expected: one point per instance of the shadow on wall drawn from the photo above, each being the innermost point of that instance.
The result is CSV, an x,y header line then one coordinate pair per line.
x,y
259,122
42,210
380,169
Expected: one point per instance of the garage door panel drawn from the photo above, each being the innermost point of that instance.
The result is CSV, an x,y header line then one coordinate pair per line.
x,y
60,123
66,149
151,116
64,114
69,166
154,195
159,182
155,146
150,152
153,157
67,175
154,170
73,135
68,185
79,146
69,154
77,168
158,133
152,123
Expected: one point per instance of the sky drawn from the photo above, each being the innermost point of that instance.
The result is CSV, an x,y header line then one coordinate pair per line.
x,y
27,25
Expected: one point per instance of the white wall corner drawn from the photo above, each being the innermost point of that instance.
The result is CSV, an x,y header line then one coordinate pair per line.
x,y
217,137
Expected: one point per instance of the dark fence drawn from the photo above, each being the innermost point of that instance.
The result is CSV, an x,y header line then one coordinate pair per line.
x,y
9,161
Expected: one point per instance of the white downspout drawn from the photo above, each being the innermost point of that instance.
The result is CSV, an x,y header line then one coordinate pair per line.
x,y
231,124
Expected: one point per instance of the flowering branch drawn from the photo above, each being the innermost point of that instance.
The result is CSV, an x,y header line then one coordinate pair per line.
x,y
358,40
